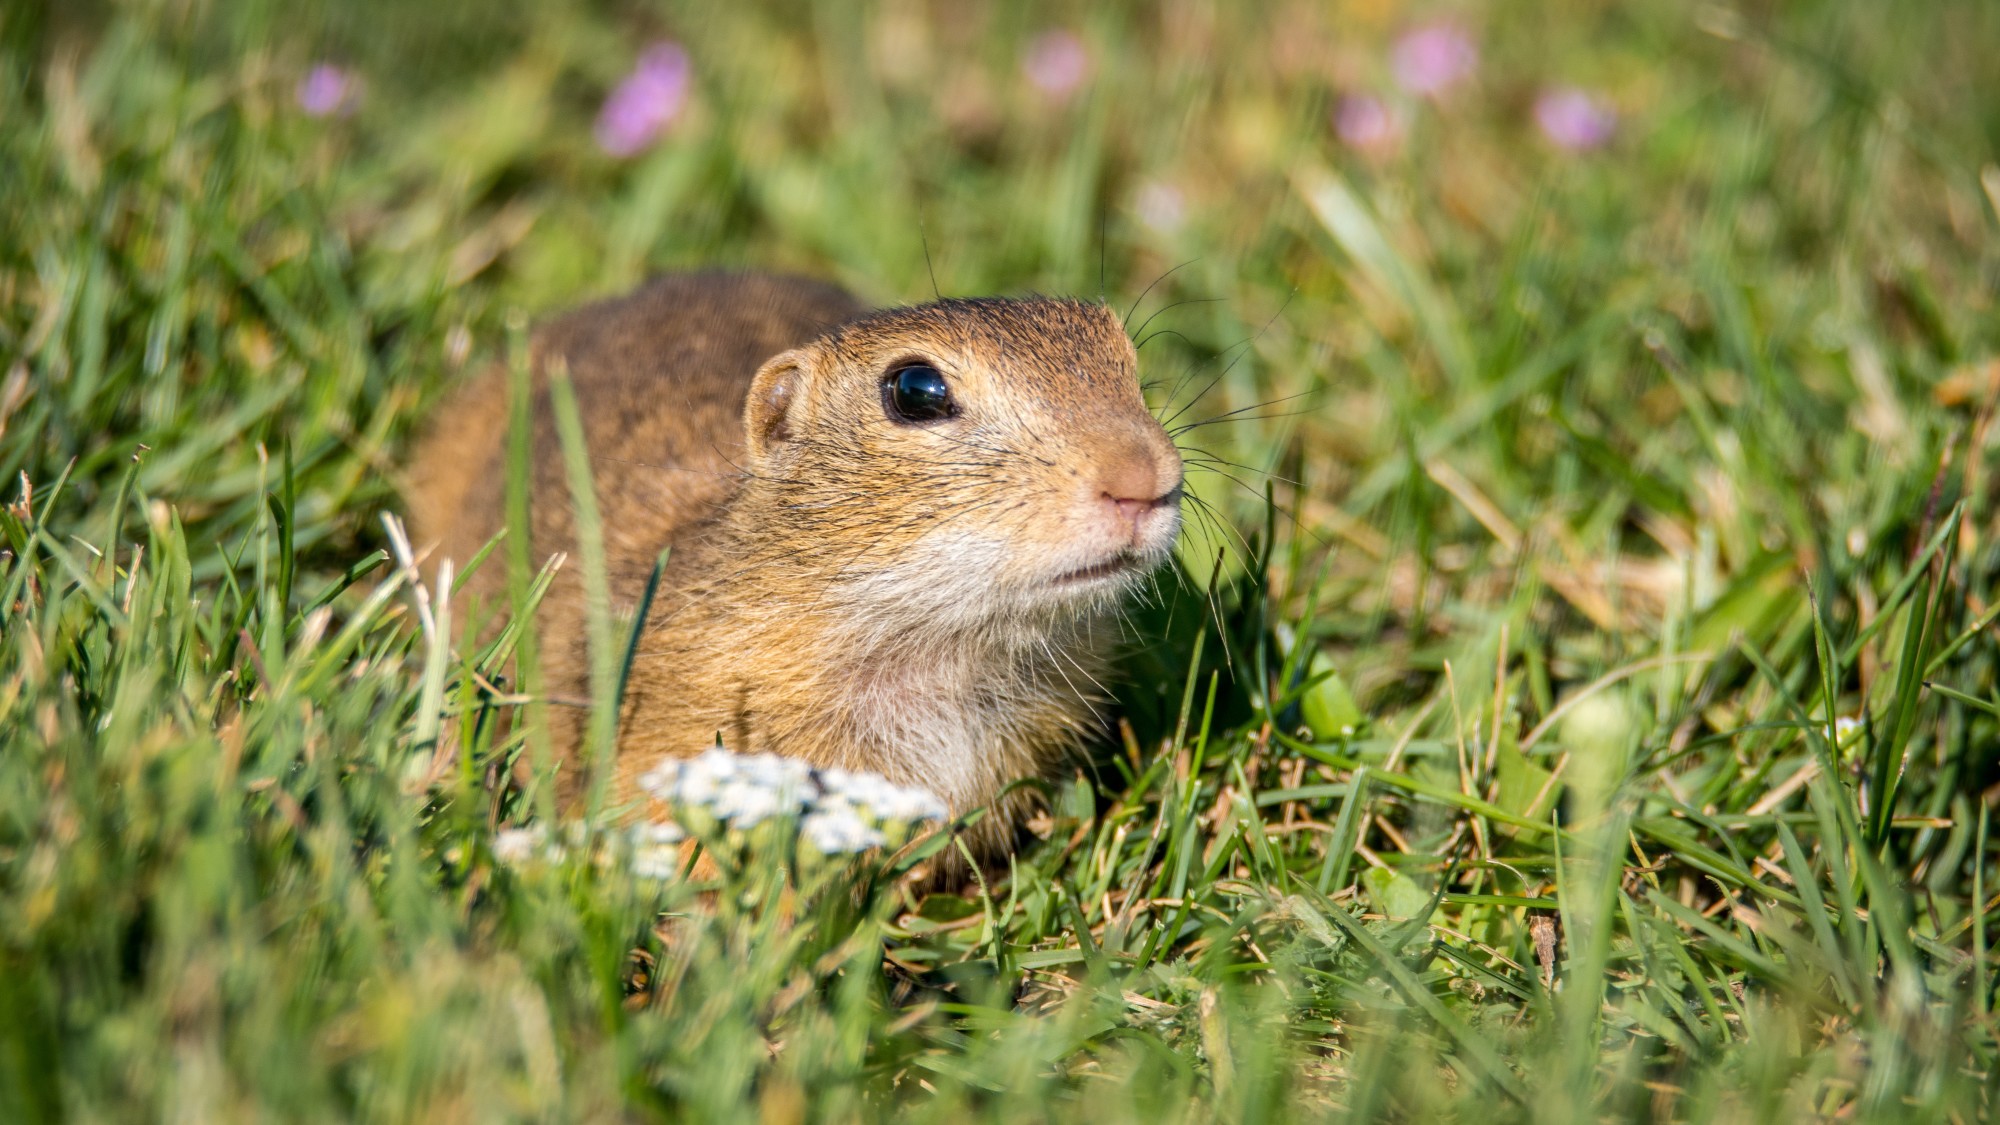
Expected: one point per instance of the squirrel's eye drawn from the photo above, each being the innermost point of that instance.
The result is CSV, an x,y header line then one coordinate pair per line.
x,y
917,394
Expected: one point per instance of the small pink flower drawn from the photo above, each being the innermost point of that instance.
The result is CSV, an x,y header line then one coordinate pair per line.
x,y
1161,206
1574,119
327,89
646,102
1368,123
1056,63
1433,57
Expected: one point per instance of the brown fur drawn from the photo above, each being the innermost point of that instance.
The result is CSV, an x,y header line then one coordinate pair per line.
x,y
842,589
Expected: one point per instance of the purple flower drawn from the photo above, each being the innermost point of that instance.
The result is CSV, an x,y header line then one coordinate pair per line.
x,y
1433,57
1368,123
327,89
1574,119
646,102
1056,64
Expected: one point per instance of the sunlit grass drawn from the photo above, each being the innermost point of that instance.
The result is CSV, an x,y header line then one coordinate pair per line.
x,y
1577,695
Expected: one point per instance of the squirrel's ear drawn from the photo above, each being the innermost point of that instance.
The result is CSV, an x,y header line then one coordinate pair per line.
x,y
774,394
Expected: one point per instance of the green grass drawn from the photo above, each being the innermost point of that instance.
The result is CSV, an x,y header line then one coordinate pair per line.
x,y
1590,490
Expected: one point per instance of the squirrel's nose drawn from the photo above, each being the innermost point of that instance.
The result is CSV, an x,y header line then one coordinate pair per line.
x,y
1139,478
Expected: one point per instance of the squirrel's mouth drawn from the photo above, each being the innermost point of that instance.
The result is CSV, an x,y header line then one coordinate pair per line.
x,y
1124,562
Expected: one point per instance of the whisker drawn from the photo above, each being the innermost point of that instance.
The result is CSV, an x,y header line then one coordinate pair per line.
x,y
1223,417
1208,460
1141,330
1127,321
1244,343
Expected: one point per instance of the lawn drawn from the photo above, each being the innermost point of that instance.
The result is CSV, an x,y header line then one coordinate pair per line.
x,y
1576,697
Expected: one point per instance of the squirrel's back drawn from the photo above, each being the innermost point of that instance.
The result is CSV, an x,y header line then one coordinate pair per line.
x,y
660,377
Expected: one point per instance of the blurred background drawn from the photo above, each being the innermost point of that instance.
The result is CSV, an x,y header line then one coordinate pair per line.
x,y
1623,374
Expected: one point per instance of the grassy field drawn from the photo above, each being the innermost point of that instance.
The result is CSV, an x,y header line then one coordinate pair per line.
x,y
1579,698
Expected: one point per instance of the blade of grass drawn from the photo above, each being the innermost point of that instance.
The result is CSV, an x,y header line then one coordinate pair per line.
x,y
1476,1049
599,744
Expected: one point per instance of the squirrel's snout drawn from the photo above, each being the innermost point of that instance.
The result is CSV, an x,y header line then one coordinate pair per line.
x,y
1139,478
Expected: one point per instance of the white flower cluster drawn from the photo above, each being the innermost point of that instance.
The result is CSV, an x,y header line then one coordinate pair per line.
x,y
656,850
650,849
839,811
516,846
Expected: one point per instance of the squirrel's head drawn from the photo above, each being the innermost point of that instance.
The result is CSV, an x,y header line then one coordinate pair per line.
x,y
967,460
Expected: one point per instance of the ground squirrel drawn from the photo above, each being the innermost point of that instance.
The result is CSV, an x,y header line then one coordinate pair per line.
x,y
898,537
